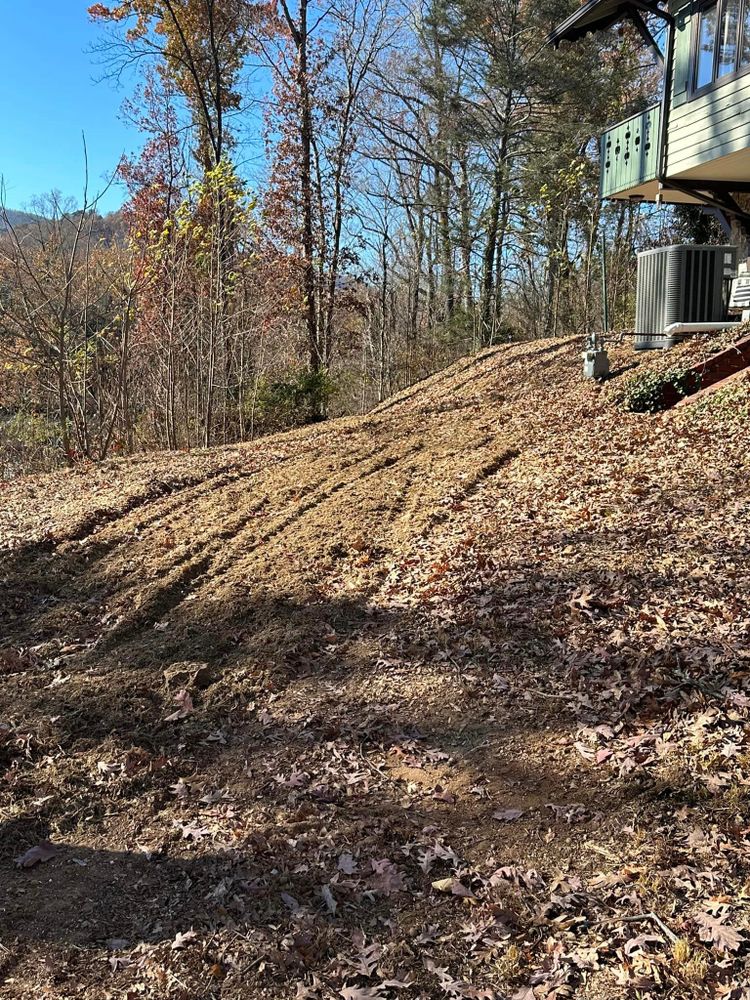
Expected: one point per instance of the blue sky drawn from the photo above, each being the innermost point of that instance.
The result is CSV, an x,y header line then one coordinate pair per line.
x,y
49,95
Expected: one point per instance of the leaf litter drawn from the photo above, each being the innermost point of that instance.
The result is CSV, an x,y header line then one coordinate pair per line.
x,y
474,704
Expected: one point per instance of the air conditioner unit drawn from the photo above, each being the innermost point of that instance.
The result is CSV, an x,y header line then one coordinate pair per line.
x,y
739,299
680,284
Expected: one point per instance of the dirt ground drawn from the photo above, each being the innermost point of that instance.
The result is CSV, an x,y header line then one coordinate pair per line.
x,y
450,700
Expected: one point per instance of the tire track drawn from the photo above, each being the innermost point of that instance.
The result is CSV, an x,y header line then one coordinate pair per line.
x,y
210,561
204,510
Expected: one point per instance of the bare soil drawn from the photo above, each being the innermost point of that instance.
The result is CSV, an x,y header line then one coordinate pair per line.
x,y
447,701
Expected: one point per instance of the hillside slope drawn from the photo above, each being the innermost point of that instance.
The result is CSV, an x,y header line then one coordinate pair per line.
x,y
449,700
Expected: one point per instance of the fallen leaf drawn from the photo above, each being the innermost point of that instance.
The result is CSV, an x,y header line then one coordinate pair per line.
x,y
180,789
640,943
117,962
329,899
109,769
361,993
44,851
12,661
193,832
387,877
185,706
507,815
453,886
182,940
347,864
290,902
308,992
443,795
714,931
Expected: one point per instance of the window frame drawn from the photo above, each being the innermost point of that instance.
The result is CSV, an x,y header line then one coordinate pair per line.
x,y
716,81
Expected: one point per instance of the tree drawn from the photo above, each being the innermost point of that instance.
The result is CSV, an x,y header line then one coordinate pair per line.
x,y
66,317
321,75
200,45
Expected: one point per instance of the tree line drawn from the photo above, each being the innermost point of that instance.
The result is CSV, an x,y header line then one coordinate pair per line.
x,y
428,187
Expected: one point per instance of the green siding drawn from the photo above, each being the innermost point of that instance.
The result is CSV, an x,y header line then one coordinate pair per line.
x,y
715,124
630,152
683,31
704,145
701,129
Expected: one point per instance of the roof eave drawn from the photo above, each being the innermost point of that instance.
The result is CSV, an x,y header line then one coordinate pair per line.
x,y
597,15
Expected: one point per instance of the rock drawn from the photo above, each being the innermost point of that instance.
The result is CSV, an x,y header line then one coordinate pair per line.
x,y
189,674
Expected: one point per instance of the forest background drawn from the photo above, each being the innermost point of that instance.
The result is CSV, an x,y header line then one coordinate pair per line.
x,y
428,187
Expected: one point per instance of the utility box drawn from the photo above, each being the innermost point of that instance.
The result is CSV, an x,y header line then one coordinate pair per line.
x,y
680,284
595,363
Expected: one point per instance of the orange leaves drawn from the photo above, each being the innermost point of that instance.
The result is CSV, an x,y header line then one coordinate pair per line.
x,y
99,12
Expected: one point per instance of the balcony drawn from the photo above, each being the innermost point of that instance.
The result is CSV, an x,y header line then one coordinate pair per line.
x,y
630,156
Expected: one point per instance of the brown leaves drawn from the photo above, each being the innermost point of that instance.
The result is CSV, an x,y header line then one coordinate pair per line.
x,y
329,899
574,813
507,815
387,878
443,795
185,706
715,931
453,886
44,851
457,988
183,939
586,602
522,679
180,790
378,992
367,958
361,993
14,661
297,779
192,831
347,864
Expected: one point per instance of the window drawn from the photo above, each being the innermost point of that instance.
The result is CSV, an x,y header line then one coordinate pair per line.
x,y
728,31
706,46
745,50
722,44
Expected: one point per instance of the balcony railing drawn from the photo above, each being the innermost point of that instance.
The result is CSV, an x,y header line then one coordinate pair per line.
x,y
630,153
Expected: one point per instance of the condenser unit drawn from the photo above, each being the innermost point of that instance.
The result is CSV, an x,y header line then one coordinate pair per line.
x,y
680,284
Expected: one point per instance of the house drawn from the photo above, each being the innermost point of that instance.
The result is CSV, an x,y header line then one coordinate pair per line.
x,y
694,145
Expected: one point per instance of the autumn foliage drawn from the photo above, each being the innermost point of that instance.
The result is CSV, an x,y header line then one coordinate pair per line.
x,y
327,205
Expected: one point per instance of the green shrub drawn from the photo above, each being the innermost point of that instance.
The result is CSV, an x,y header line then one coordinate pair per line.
x,y
301,398
651,391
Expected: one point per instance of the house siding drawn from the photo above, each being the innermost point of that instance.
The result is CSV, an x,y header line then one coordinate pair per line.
x,y
711,125
630,152
701,130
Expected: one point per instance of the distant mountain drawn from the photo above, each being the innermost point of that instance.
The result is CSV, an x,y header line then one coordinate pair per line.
x,y
15,218
110,228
